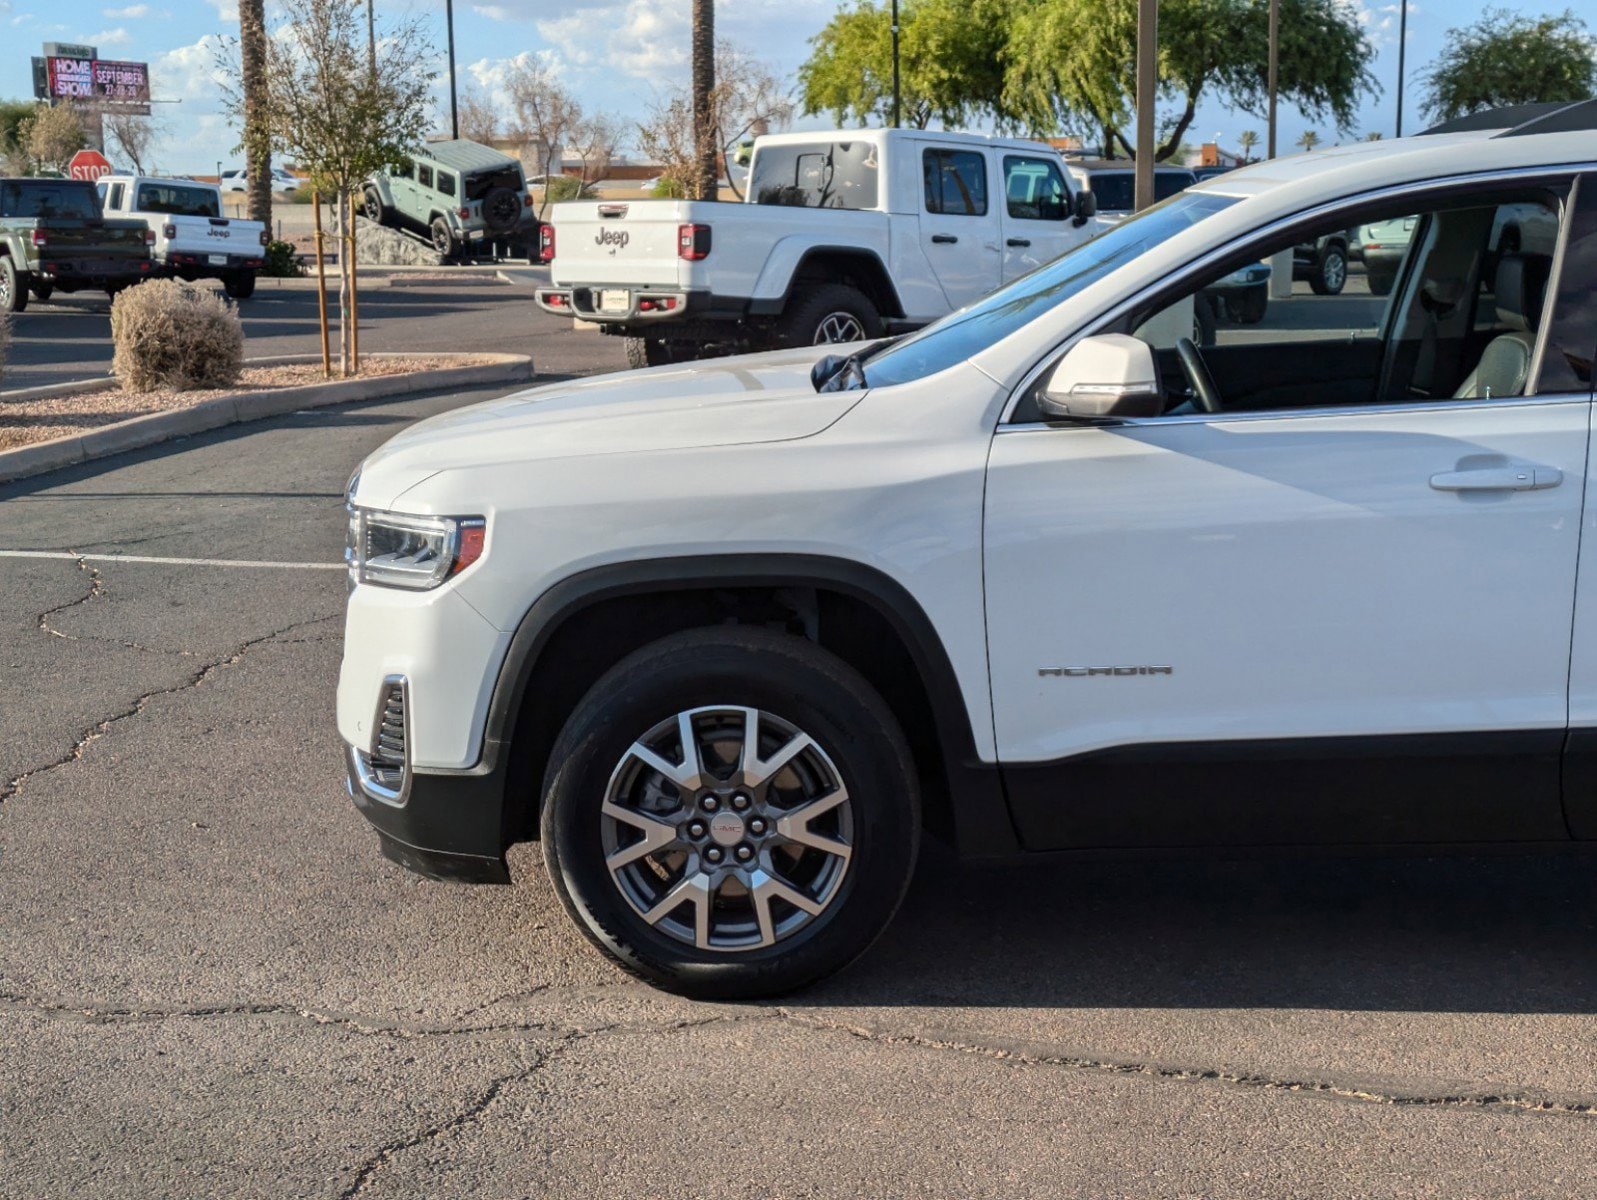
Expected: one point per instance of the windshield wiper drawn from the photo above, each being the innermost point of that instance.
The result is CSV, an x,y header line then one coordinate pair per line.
x,y
845,373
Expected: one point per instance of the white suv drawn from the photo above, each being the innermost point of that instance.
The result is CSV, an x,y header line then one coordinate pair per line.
x,y
1044,576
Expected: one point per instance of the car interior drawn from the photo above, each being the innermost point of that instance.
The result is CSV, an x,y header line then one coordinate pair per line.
x,y
1460,321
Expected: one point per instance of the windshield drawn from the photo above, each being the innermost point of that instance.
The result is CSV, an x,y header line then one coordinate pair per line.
x,y
178,200
478,186
1116,191
63,198
816,175
994,317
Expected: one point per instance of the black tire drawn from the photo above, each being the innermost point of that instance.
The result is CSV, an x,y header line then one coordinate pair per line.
x,y
797,682
1330,272
657,352
1250,306
1381,282
13,287
443,240
42,291
805,320
372,207
501,210
240,285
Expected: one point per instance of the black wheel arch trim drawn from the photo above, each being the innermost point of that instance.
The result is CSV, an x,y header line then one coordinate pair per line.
x,y
982,824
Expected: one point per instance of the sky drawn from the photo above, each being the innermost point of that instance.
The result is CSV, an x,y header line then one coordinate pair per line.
x,y
615,55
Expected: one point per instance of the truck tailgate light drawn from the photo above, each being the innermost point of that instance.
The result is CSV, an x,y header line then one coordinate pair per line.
x,y
169,230
546,244
657,304
40,238
693,242
149,237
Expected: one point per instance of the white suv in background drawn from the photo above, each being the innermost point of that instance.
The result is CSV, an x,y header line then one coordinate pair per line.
x,y
1043,577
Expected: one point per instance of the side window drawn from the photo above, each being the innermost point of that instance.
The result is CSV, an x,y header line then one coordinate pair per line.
x,y
956,182
446,183
1572,325
117,191
424,176
1034,190
1384,308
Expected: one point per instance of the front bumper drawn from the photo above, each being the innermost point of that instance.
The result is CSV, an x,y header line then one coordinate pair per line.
x,y
444,826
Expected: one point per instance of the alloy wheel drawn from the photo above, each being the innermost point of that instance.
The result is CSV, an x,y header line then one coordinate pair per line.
x,y
727,828
839,327
1335,271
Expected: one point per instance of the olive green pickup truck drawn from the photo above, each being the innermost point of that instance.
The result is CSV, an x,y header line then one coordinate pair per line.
x,y
53,237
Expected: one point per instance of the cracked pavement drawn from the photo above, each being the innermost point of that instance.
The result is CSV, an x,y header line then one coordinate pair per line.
x,y
211,983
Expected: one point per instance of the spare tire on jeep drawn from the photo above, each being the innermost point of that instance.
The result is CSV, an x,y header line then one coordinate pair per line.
x,y
501,210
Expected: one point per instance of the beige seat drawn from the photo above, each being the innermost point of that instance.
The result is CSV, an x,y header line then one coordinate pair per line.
x,y
1504,366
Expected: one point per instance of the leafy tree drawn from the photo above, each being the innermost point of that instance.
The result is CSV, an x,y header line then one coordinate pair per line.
x,y
1307,140
338,114
12,114
1072,63
949,57
1509,58
51,136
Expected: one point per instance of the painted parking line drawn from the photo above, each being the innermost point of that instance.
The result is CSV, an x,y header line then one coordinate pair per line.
x,y
69,556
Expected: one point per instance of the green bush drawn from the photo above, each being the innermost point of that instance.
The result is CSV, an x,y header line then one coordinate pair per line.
x,y
557,191
282,261
169,335
667,188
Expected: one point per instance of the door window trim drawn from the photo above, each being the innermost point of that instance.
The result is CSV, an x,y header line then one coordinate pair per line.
x,y
1171,287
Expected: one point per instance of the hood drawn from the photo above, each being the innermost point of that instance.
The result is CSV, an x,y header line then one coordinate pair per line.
x,y
719,402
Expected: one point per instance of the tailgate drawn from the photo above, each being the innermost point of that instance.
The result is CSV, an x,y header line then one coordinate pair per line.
x,y
633,242
101,239
214,235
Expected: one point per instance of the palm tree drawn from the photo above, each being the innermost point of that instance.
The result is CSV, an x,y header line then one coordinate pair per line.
x,y
1372,137
257,151
1309,140
1247,139
704,132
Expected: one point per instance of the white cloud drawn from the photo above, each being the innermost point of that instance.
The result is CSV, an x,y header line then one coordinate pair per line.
x,y
131,13
191,74
110,37
494,12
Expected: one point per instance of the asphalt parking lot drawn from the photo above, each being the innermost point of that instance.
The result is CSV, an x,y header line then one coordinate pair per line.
x,y
211,984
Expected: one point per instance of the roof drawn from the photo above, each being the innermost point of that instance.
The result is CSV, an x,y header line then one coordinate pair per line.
x,y
463,155
1125,164
880,136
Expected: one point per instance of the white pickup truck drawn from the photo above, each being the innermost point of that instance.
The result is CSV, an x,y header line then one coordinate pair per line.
x,y
844,236
193,240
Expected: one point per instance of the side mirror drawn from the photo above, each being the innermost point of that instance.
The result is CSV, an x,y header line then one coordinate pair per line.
x,y
1104,377
1086,206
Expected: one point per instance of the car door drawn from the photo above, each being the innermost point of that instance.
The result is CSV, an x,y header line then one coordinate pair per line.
x,y
1338,622
960,223
1038,219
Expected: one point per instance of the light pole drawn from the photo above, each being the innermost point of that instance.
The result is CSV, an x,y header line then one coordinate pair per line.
x,y
1275,61
895,64
371,35
1147,82
454,104
1402,49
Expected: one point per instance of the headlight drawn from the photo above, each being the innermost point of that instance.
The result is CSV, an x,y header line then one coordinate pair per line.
x,y
418,553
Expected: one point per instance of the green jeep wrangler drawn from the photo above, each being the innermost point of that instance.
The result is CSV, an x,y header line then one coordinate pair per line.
x,y
53,237
455,193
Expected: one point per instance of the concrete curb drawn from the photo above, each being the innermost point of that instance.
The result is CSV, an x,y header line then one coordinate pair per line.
x,y
153,428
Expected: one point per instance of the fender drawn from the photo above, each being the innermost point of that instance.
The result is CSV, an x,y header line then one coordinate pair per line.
x,y
775,282
981,814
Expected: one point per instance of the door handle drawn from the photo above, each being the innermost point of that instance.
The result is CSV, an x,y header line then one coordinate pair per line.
x,y
944,239
1516,477
1018,242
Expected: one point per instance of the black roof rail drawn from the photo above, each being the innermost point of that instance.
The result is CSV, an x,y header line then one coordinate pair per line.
x,y
1579,117
1505,119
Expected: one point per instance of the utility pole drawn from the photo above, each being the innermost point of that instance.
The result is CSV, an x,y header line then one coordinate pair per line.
x,y
1402,49
454,102
1147,81
371,35
1275,62
895,64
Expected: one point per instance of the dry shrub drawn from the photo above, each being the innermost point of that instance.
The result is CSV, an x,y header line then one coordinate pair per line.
x,y
169,335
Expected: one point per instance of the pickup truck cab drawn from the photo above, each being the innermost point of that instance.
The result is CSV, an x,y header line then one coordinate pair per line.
x,y
1043,578
53,237
842,236
191,239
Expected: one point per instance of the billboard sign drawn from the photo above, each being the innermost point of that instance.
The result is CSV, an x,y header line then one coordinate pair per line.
x,y
62,78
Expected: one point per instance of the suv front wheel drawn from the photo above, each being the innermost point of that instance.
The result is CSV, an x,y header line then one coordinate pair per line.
x,y
444,239
1330,271
731,812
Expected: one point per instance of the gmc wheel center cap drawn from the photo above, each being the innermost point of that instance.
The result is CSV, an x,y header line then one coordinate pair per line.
x,y
726,829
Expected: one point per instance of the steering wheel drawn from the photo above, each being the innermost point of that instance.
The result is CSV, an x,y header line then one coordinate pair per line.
x,y
1205,395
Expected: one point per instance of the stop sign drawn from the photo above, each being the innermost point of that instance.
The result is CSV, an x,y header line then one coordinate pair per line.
x,y
88,165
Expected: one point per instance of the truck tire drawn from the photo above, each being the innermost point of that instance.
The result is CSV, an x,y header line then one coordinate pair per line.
x,y
829,837
657,352
13,287
444,240
828,313
1330,271
240,285
372,207
42,291
1380,281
